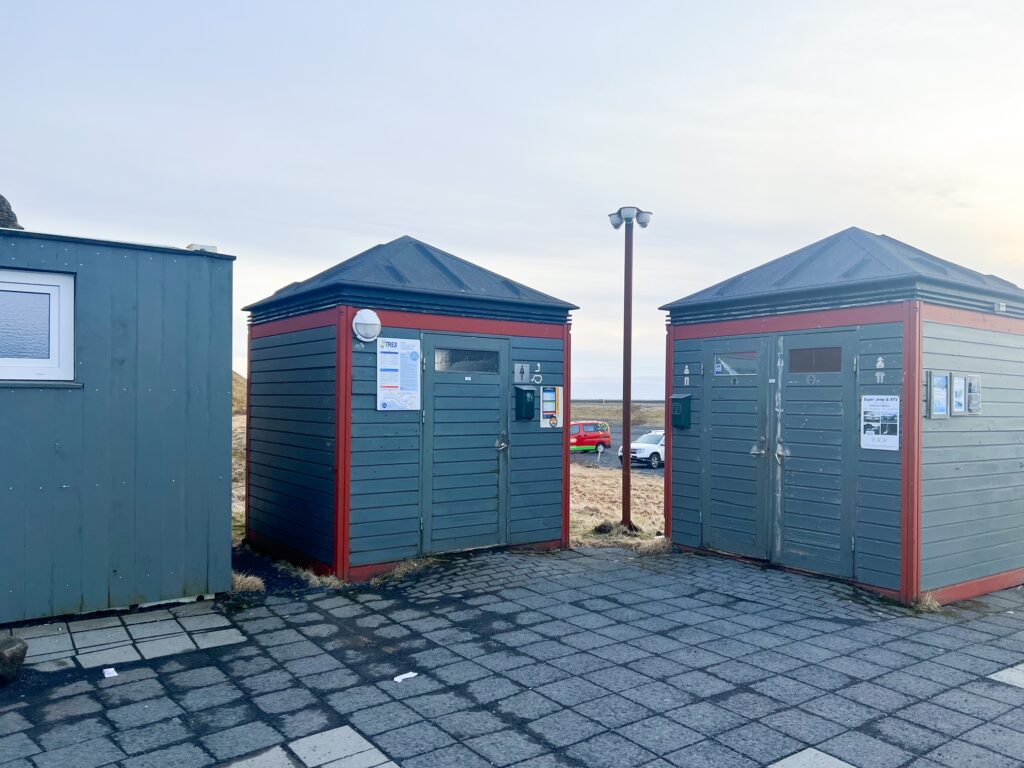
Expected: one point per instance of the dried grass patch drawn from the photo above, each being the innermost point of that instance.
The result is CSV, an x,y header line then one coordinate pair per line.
x,y
312,579
246,582
597,502
928,603
403,569
640,414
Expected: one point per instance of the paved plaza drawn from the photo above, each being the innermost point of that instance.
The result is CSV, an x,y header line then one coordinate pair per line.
x,y
535,660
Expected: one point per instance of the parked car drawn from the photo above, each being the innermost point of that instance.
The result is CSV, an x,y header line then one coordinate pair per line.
x,y
590,436
648,449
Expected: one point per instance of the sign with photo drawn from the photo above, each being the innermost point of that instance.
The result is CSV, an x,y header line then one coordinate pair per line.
x,y
880,422
958,404
938,395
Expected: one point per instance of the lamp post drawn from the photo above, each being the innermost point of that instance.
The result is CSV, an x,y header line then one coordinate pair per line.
x,y
628,214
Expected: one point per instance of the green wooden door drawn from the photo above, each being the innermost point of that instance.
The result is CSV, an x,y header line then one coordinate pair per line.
x,y
465,433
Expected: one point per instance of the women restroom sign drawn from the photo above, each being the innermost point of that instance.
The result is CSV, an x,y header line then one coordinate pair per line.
x,y
398,374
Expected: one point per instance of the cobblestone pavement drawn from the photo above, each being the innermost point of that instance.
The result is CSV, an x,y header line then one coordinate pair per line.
x,y
593,658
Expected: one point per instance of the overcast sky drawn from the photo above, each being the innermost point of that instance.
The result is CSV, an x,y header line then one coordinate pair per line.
x,y
295,135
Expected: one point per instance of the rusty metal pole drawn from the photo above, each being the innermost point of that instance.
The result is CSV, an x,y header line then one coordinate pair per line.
x,y
627,379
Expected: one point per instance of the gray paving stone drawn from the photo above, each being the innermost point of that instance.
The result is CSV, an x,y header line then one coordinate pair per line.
x,y
198,677
75,732
16,745
411,740
842,710
749,704
132,692
610,750
86,754
241,740
971,704
218,695
939,718
786,689
165,646
354,699
180,756
535,675
528,705
275,757
906,735
447,757
563,728
660,735
759,742
12,722
488,689
876,696
803,726
144,712
384,717
159,734
333,745
613,711
709,754
73,706
997,738
961,754
572,691
700,684
287,700
865,751
147,630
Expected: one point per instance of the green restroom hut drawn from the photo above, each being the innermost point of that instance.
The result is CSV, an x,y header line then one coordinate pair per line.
x,y
402,403
855,408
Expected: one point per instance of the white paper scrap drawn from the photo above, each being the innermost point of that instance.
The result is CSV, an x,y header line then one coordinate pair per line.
x,y
110,672
405,676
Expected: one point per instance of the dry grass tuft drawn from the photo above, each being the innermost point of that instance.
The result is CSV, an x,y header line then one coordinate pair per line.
x,y
312,579
239,393
928,603
246,582
597,506
648,547
403,569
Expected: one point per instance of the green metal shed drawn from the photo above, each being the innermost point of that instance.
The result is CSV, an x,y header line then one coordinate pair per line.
x,y
115,424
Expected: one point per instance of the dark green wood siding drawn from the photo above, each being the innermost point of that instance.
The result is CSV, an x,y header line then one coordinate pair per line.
x,y
386,462
972,516
117,492
385,475
292,416
878,474
535,454
877,526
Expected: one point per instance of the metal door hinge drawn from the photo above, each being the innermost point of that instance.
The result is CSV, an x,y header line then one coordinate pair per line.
x,y
856,362
853,543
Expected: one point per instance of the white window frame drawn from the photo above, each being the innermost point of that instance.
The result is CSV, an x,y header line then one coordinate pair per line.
x,y
60,366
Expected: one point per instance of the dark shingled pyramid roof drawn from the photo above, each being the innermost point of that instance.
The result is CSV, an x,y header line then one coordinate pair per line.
x,y
849,265
392,275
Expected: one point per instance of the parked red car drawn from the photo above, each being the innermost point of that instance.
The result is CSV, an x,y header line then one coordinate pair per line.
x,y
589,436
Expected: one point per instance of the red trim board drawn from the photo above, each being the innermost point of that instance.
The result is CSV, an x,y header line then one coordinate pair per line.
x,y
343,443
290,324
248,428
669,388
476,325
968,589
910,525
567,419
797,321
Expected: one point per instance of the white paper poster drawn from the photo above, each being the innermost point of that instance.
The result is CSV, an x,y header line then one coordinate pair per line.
x,y
880,422
398,374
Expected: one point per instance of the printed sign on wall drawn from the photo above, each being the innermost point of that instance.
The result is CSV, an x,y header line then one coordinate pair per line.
x,y
551,407
880,422
398,374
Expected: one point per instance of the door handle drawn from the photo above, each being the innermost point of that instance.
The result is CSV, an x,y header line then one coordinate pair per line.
x,y
500,446
780,452
760,449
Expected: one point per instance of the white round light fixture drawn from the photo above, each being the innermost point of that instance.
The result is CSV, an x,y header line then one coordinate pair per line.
x,y
366,325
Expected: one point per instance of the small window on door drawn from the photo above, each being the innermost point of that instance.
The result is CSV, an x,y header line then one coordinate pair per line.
x,y
816,360
736,364
465,360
